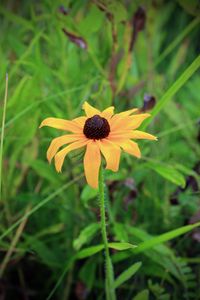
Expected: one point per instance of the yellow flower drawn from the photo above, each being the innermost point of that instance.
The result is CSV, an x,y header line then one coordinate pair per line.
x,y
98,132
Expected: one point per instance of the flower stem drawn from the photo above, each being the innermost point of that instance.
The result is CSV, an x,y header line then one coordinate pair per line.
x,y
110,290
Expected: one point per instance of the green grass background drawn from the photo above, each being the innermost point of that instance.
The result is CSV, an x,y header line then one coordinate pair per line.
x,y
50,241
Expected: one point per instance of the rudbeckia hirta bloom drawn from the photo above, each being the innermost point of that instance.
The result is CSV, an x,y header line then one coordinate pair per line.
x,y
99,133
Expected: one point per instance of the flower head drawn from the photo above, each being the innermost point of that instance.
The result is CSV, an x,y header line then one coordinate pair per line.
x,y
100,133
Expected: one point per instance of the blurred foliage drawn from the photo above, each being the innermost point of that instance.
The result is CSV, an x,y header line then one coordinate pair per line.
x,y
59,54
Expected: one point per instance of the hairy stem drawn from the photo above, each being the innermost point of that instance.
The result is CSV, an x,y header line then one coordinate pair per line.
x,y
110,291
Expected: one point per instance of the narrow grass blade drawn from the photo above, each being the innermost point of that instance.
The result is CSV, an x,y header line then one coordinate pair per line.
x,y
154,241
2,132
165,237
177,40
67,267
36,104
143,295
185,76
41,204
127,274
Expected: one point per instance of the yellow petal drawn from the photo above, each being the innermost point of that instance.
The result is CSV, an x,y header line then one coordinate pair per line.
x,y
60,156
108,112
90,111
61,124
80,121
60,141
127,112
135,134
92,161
130,122
122,116
136,120
127,145
111,152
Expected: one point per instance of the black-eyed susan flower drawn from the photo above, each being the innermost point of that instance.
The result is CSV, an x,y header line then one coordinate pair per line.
x,y
100,133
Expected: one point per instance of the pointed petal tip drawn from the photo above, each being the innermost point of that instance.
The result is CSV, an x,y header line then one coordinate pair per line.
x,y
153,138
44,122
41,125
148,115
84,104
138,154
58,169
49,156
113,169
49,160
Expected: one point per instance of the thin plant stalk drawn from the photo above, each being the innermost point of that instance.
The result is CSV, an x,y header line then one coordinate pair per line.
x,y
2,132
110,290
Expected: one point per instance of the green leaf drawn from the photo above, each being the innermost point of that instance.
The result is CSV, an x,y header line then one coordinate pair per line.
x,y
120,232
191,6
54,229
92,22
45,171
89,251
88,271
143,295
88,193
127,274
45,253
85,235
168,172
118,10
121,246
160,254
97,248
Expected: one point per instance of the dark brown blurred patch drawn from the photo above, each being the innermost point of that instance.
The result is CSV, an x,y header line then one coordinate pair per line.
x,y
149,102
115,59
191,182
132,195
77,40
196,232
63,10
198,135
81,291
2,289
138,24
139,19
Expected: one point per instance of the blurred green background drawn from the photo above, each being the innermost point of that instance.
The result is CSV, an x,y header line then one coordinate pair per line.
x,y
124,53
